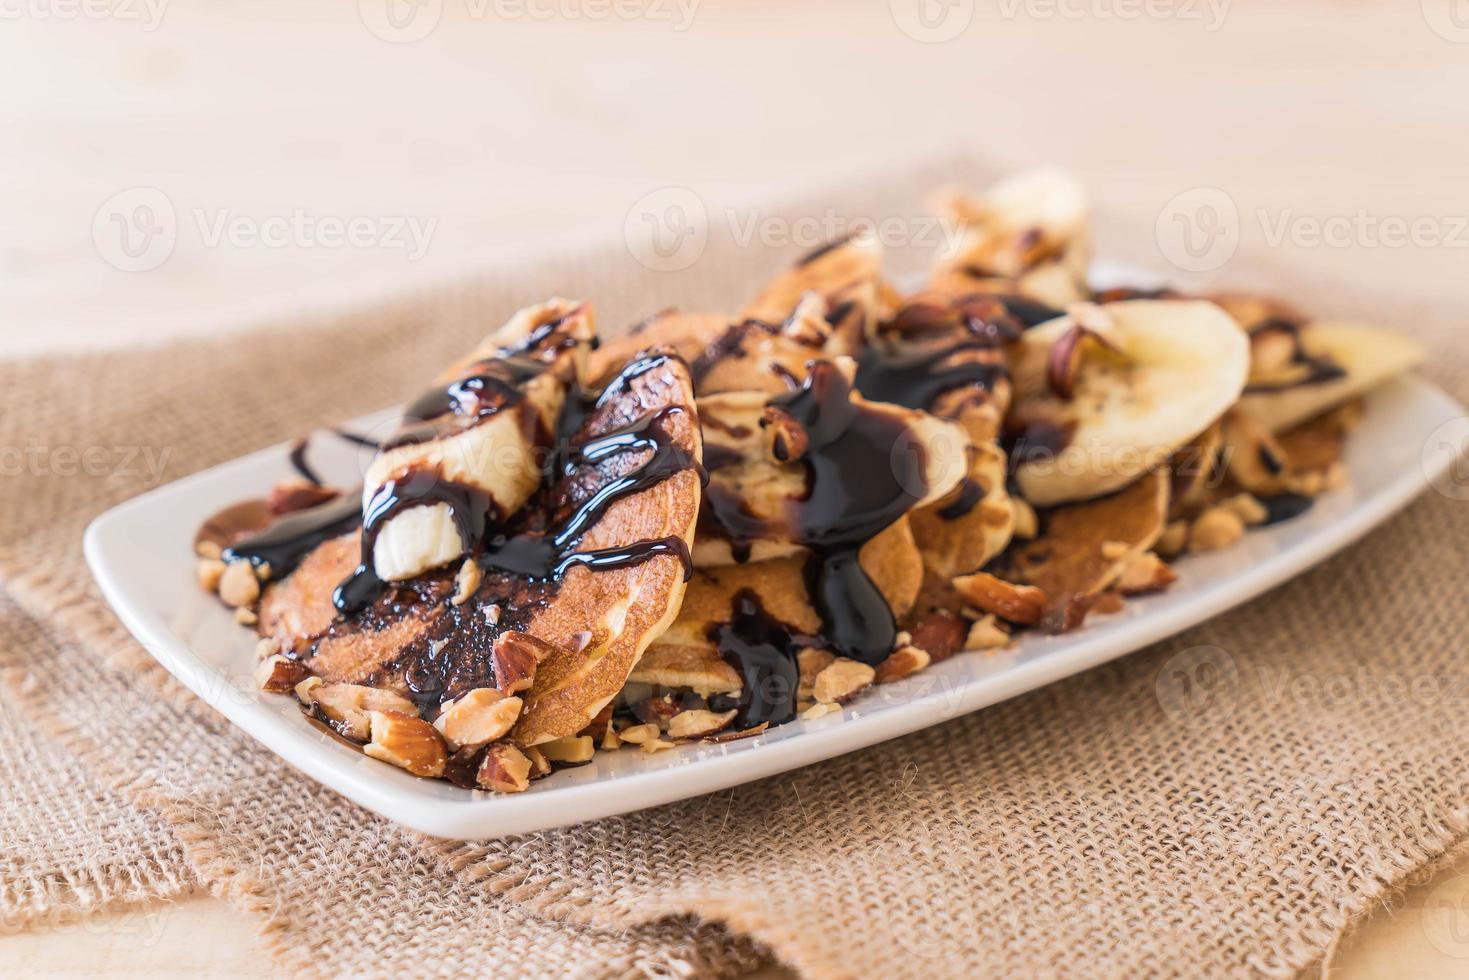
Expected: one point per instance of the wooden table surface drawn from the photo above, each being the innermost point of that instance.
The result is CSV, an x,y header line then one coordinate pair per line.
x,y
245,131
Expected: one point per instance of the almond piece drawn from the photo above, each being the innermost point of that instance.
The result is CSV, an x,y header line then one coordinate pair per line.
x,y
504,769
347,706
638,734
1017,603
986,634
571,749
209,571
238,585
842,681
406,741
1215,528
902,662
699,723
820,710
1145,573
466,582
1173,540
514,658
483,715
306,690
1247,507
811,661
539,764
278,675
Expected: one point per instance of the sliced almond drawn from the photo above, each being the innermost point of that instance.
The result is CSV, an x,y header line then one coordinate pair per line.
x,y
238,585
406,741
278,675
504,769
638,734
699,723
986,634
902,662
347,707
209,571
514,658
1215,528
1145,573
572,749
1022,604
466,582
481,716
843,680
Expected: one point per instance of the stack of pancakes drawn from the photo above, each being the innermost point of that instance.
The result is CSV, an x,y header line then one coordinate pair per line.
x,y
714,524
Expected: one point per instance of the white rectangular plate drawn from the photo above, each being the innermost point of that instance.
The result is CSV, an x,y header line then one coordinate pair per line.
x,y
141,553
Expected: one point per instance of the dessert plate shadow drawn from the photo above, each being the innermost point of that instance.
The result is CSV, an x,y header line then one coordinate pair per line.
x,y
142,556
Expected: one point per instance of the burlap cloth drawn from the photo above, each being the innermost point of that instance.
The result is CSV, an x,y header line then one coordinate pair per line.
x,y
1102,825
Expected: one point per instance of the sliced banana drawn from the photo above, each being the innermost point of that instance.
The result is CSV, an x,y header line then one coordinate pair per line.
x,y
1029,231
1367,355
1177,366
496,454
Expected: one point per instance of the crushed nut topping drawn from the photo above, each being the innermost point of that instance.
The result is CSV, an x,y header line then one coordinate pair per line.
x,y
699,723
987,634
406,741
842,680
1017,603
483,715
279,675
573,749
1215,528
504,769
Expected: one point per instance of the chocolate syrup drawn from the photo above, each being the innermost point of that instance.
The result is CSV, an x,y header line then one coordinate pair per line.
x,y
1029,312
470,507
492,386
1319,370
300,465
857,485
970,494
286,541
539,556
915,379
762,650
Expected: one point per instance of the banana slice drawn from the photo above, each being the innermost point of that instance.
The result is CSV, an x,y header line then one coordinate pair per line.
x,y
1362,357
1174,368
477,429
1028,233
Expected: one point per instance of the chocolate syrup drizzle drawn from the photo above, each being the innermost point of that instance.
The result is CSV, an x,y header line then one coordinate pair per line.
x,y
915,379
532,554
762,650
1319,370
538,555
